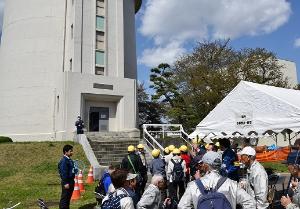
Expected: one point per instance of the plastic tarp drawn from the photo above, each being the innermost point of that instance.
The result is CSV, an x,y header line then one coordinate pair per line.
x,y
253,110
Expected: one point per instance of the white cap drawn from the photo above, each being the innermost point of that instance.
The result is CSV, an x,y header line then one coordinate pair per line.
x,y
248,151
131,176
212,158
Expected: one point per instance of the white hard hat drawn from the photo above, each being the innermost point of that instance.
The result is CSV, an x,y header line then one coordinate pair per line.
x,y
248,151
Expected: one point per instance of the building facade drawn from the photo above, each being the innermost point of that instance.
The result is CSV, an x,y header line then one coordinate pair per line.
x,y
64,58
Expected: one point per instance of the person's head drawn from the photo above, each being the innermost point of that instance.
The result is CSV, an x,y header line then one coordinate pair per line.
x,y
166,151
248,156
112,167
68,150
131,149
131,180
171,147
176,152
78,117
118,177
183,149
224,144
210,161
159,181
211,147
155,153
140,148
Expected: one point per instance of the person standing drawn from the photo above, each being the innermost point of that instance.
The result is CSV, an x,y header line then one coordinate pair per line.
x,y
144,170
228,159
210,167
79,125
67,173
186,157
176,175
257,178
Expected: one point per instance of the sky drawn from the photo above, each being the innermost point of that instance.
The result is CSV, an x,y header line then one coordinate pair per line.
x,y
167,29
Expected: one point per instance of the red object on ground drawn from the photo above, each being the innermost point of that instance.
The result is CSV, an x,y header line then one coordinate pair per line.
x,y
80,182
273,156
90,178
76,192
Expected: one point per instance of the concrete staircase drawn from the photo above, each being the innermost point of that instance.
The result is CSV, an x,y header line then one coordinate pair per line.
x,y
111,147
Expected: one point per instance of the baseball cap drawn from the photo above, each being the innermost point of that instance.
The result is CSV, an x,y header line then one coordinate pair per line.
x,y
248,151
212,158
131,176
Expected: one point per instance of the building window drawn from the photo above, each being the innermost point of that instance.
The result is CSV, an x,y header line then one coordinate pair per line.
x,y
100,8
100,40
100,23
99,70
72,31
100,58
71,65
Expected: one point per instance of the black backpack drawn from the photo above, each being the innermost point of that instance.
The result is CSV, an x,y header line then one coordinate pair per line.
x,y
177,173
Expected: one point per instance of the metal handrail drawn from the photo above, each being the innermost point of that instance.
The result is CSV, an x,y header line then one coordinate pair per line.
x,y
186,136
146,133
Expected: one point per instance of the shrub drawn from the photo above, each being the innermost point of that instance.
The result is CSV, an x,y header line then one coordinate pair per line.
x,y
5,139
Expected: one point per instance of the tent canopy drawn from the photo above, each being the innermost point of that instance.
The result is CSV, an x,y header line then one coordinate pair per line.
x,y
252,109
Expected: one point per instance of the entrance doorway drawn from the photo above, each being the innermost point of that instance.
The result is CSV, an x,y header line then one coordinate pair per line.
x,y
99,119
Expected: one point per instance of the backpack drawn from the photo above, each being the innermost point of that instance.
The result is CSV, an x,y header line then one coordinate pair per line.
x,y
113,202
177,173
212,199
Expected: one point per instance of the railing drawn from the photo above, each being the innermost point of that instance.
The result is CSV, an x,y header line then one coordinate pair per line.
x,y
152,131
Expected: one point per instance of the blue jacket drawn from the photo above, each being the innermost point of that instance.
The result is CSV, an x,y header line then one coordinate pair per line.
x,y
228,168
66,170
106,181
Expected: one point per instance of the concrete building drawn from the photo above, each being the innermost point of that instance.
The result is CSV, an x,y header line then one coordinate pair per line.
x,y
64,58
289,70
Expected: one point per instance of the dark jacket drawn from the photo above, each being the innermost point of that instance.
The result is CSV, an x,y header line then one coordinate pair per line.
x,y
136,161
134,196
66,170
228,168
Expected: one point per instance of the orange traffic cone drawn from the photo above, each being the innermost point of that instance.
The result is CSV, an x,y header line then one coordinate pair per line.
x,y
90,178
80,182
76,192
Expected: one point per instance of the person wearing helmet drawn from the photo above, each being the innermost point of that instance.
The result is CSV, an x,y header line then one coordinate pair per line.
x,y
210,166
176,175
158,167
170,155
187,159
198,147
257,177
133,163
141,152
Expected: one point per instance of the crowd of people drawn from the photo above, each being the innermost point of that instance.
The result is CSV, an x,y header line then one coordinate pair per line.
x,y
204,176
183,178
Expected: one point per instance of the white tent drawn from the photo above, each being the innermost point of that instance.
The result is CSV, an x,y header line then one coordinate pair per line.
x,y
252,109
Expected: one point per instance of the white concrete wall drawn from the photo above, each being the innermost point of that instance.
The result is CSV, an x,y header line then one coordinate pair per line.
x,y
40,97
31,58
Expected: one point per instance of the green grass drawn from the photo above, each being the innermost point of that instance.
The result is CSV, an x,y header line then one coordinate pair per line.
x,y
28,171
276,167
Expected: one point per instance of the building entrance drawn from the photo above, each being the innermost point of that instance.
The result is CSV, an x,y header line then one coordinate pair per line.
x,y
99,119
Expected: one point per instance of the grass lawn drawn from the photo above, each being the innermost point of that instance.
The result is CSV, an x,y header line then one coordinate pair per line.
x,y
277,167
28,171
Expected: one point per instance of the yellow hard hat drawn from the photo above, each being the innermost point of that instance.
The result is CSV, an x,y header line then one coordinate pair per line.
x,y
140,146
176,151
217,144
206,146
131,148
155,152
167,150
183,148
171,147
